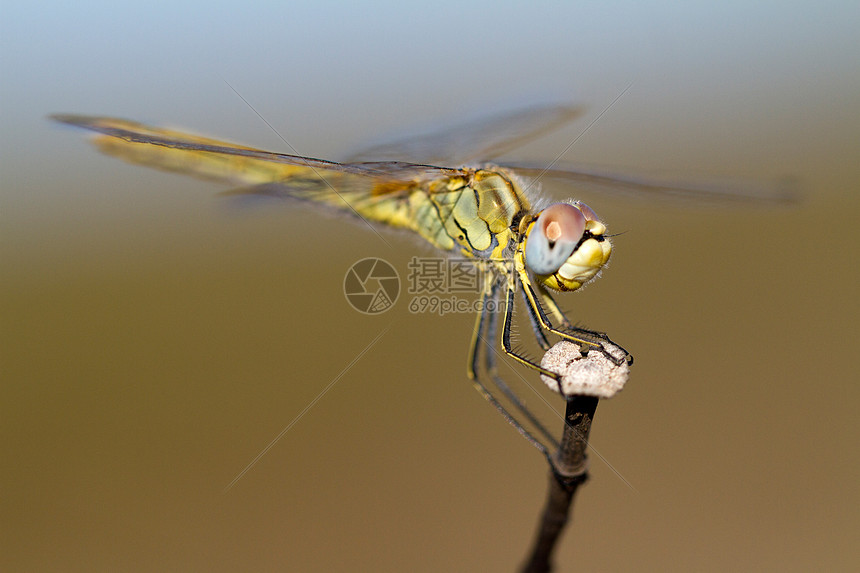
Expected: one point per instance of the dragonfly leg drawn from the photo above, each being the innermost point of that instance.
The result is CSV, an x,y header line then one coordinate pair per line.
x,y
475,343
489,359
582,336
559,315
536,325
486,321
506,332
553,307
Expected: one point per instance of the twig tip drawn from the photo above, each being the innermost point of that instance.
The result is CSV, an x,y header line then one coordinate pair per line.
x,y
589,374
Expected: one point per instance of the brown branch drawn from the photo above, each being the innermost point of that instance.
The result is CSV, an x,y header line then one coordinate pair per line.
x,y
569,472
584,378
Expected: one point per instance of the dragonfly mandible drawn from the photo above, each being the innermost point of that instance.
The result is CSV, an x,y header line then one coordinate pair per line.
x,y
482,212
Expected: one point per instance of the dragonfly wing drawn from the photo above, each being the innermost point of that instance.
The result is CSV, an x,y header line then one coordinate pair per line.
x,y
630,184
343,193
376,191
207,158
474,141
397,204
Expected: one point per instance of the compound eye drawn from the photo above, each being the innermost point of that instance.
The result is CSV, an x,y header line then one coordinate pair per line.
x,y
553,238
587,211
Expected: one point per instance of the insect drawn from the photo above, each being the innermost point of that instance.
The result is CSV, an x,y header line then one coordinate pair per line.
x,y
483,213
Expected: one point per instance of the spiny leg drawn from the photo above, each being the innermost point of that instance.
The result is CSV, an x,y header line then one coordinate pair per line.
x,y
553,307
537,317
536,326
474,344
506,331
490,365
559,315
556,311
478,339
581,336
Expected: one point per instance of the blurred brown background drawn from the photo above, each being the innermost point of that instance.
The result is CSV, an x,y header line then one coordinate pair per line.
x,y
155,339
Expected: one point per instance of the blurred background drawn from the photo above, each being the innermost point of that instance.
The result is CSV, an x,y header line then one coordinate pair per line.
x,y
155,339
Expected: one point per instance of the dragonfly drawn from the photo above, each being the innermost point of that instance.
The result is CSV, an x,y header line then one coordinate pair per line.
x,y
442,187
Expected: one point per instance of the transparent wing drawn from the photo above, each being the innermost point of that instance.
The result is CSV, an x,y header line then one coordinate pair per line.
x,y
475,141
707,190
369,190
213,159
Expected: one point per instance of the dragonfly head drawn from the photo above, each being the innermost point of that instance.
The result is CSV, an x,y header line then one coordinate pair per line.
x,y
566,246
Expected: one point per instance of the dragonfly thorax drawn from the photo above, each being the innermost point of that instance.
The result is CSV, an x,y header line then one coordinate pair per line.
x,y
565,246
470,213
